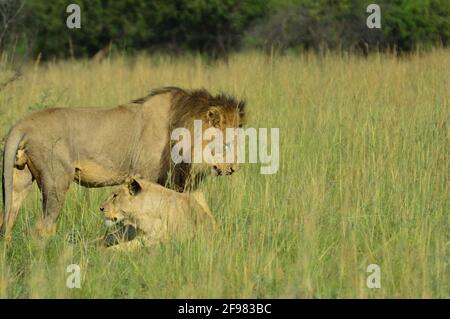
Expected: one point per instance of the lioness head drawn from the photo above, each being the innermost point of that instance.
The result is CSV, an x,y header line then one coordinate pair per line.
x,y
122,202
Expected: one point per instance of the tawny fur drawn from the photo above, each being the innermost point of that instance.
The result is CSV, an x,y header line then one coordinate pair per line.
x,y
158,213
98,147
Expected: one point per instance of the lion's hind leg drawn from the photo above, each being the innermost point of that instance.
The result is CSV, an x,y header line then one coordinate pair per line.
x,y
22,182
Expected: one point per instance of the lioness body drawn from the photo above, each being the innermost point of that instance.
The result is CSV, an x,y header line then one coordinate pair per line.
x,y
101,146
158,213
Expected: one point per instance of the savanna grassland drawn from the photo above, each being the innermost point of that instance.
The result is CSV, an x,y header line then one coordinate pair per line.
x,y
363,179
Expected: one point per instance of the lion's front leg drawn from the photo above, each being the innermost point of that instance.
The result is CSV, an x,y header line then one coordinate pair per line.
x,y
54,186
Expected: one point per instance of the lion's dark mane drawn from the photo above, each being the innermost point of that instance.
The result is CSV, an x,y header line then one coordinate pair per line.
x,y
187,105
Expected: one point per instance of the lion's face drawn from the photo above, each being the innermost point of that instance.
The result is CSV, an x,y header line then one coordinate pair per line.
x,y
221,119
122,203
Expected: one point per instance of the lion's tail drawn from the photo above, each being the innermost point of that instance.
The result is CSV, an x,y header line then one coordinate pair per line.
x,y
9,154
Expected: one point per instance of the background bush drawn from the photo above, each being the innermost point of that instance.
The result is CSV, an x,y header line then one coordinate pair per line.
x,y
211,26
317,24
216,27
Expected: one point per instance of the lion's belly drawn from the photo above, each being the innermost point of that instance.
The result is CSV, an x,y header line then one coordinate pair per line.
x,y
92,174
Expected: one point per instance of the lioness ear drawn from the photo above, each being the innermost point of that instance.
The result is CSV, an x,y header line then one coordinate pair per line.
x,y
134,187
214,117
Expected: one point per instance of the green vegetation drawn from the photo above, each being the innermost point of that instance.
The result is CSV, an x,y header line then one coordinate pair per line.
x,y
363,179
406,25
218,27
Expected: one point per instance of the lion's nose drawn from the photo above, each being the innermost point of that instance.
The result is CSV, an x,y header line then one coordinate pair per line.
x,y
114,219
102,209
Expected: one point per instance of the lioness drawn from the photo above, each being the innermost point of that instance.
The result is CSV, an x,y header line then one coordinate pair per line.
x,y
98,147
156,213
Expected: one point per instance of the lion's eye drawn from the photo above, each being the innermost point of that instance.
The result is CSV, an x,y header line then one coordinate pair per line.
x,y
114,195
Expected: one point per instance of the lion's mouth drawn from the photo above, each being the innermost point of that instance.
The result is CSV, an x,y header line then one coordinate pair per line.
x,y
112,221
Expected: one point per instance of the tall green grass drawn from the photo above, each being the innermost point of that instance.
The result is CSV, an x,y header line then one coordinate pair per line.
x,y
364,155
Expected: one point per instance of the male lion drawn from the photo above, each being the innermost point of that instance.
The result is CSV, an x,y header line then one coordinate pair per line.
x,y
98,147
155,213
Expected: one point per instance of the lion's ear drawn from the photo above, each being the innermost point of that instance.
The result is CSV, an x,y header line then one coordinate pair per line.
x,y
214,117
134,187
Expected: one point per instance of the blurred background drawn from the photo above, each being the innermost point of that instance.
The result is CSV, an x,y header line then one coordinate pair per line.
x,y
216,28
